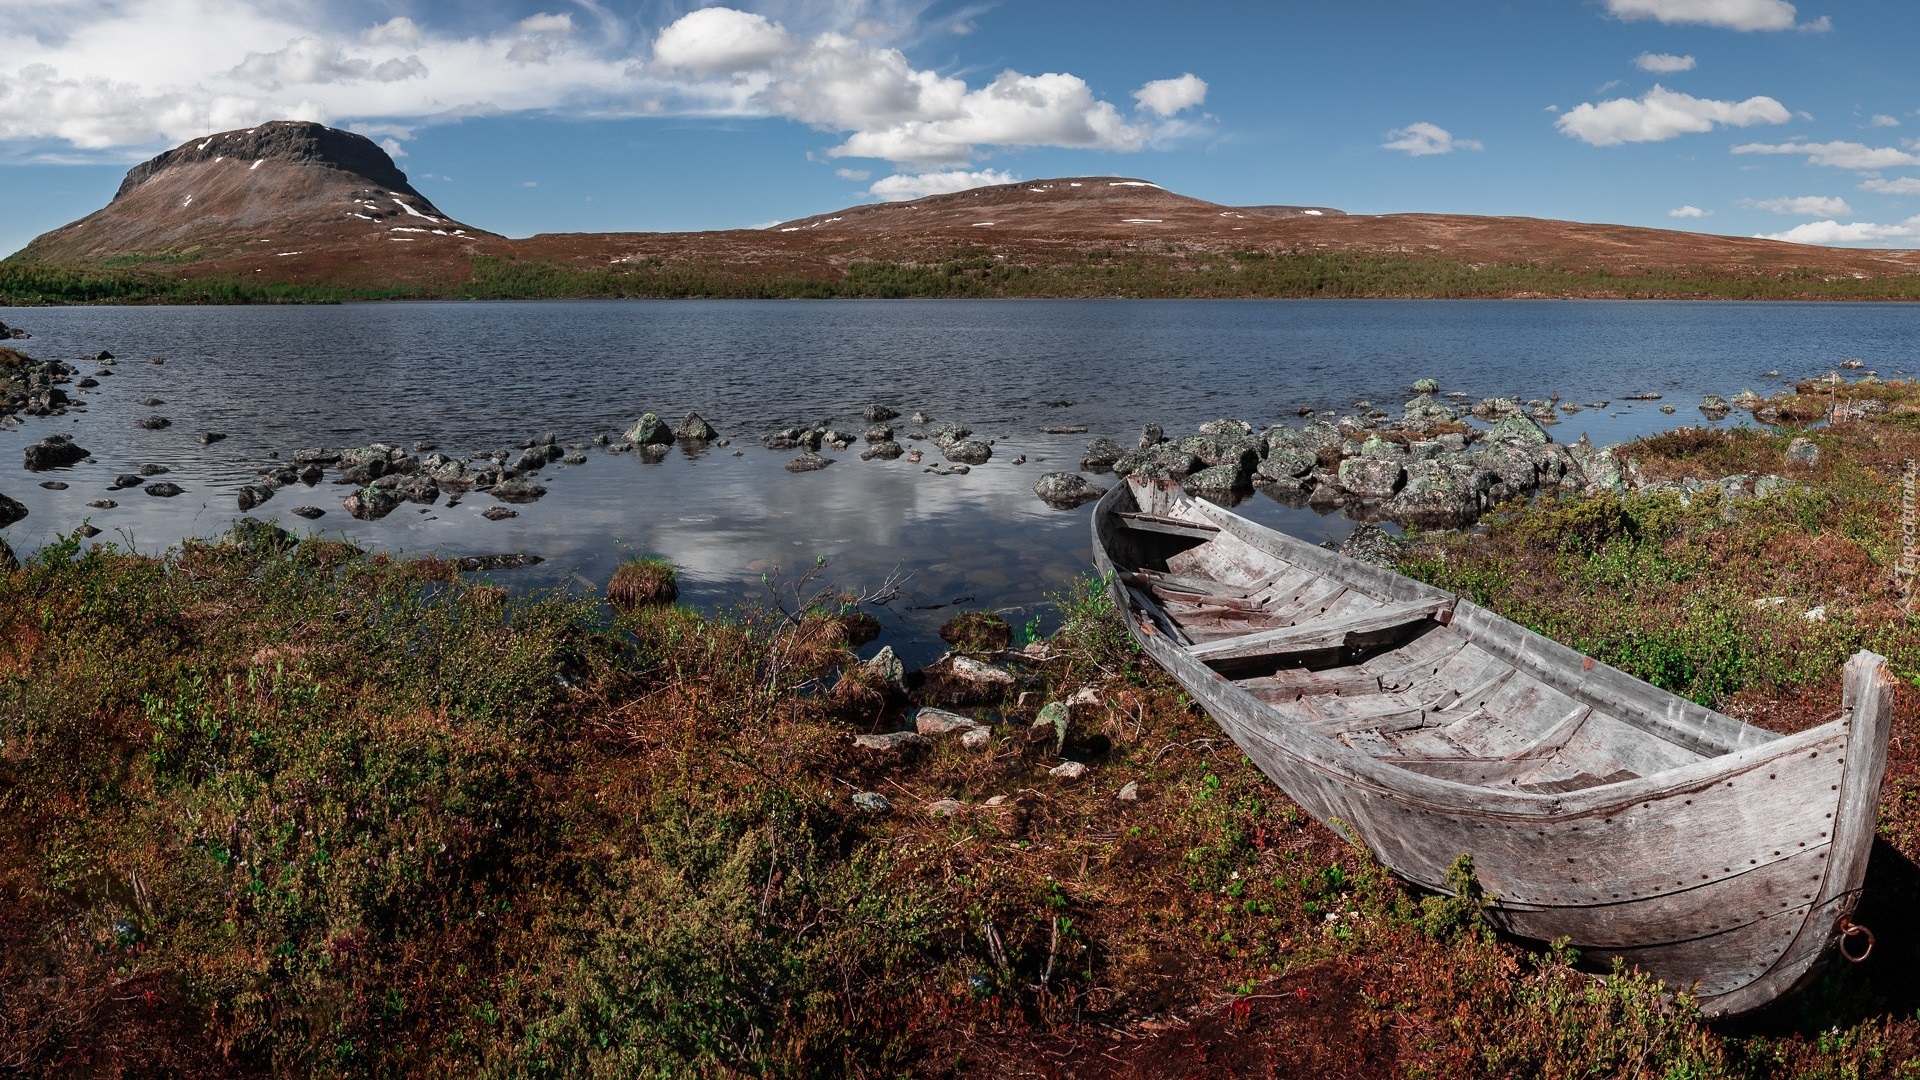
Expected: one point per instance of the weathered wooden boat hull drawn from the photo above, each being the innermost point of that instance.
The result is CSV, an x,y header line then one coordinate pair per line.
x,y
1728,875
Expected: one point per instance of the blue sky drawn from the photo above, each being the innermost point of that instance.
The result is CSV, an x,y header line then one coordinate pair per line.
x,y
1746,117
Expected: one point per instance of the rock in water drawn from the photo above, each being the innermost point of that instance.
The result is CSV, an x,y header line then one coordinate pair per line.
x,y
1065,490
808,463
518,489
1101,454
52,452
1715,407
968,452
695,429
370,504
253,495
1518,429
498,513
1151,436
165,489
308,512
649,430
154,423
875,413
10,512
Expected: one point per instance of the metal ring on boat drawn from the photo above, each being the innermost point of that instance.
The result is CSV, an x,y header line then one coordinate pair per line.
x,y
1850,930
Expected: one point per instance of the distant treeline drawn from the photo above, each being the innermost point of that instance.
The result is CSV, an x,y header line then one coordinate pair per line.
x,y
981,274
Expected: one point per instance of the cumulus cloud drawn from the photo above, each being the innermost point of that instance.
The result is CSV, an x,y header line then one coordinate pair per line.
x,y
1883,120
1727,14
904,186
1802,205
171,80
1164,97
1899,185
1661,114
1838,155
1902,234
721,41
1422,139
1663,63
1689,211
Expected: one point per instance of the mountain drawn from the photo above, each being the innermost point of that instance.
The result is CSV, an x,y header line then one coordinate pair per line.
x,y
285,190
303,204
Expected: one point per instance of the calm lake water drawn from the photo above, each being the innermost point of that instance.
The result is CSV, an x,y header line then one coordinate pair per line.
x,y
480,376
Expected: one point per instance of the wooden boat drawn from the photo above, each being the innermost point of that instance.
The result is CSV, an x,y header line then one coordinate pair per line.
x,y
1717,856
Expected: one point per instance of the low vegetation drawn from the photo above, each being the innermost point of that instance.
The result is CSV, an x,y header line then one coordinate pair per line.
x,y
962,273
301,809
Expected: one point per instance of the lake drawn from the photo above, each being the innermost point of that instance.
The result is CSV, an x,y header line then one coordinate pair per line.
x,y
480,376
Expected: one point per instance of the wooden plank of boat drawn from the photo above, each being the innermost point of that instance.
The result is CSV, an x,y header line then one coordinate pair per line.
x,y
1634,823
1321,633
1170,526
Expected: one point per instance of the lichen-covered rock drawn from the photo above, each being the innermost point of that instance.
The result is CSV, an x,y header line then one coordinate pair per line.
x,y
878,433
695,429
1518,429
1229,428
1243,450
1803,451
1065,489
371,504
253,495
1163,462
1219,479
1151,436
1371,478
1428,408
808,463
1494,408
1599,469
1426,386
1440,492
947,434
1748,400
886,450
876,412
1102,453
649,430
517,489
1715,407
1286,462
967,451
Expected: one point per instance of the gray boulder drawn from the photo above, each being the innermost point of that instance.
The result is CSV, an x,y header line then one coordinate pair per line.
x,y
885,450
1425,386
649,430
1229,428
165,489
1151,436
968,451
517,489
1286,462
371,504
695,429
879,433
808,462
1164,462
1102,453
1715,407
1064,489
1440,492
10,511
1803,451
1371,478
1219,479
875,413
253,495
1518,429
52,452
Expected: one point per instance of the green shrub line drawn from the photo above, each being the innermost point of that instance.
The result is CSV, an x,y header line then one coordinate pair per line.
x,y
968,273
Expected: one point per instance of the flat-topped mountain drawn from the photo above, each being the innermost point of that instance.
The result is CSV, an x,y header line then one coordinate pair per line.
x,y
277,191
304,204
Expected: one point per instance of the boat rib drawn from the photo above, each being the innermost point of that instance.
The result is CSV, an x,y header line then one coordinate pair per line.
x,y
1718,856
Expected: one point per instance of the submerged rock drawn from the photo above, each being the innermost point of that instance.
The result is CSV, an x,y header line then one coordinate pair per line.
x,y
808,462
1065,490
308,512
52,452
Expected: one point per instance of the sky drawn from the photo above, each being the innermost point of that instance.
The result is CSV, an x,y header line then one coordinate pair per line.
x,y
1742,117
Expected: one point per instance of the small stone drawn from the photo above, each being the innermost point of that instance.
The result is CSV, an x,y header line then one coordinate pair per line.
x,y
1426,386
894,740
872,802
997,800
208,438
154,423
876,413
1130,791
1803,451
1053,717
498,513
946,807
1064,490
10,511
54,485
87,530
1816,614
808,462
103,504
164,490
976,738
888,667
308,512
931,721
1068,770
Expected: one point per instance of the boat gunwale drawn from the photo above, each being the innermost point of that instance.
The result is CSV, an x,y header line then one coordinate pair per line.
x,y
1435,793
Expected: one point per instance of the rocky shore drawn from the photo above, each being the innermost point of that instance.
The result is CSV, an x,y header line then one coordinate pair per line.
x,y
1439,461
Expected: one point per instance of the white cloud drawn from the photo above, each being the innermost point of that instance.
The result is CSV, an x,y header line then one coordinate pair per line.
x,y
1802,205
1882,120
1899,185
298,59
1663,63
1662,114
901,187
1904,234
852,174
1164,97
1422,139
1689,211
721,41
1727,14
1838,155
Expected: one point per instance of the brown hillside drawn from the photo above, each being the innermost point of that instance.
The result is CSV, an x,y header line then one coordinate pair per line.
x,y
303,203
